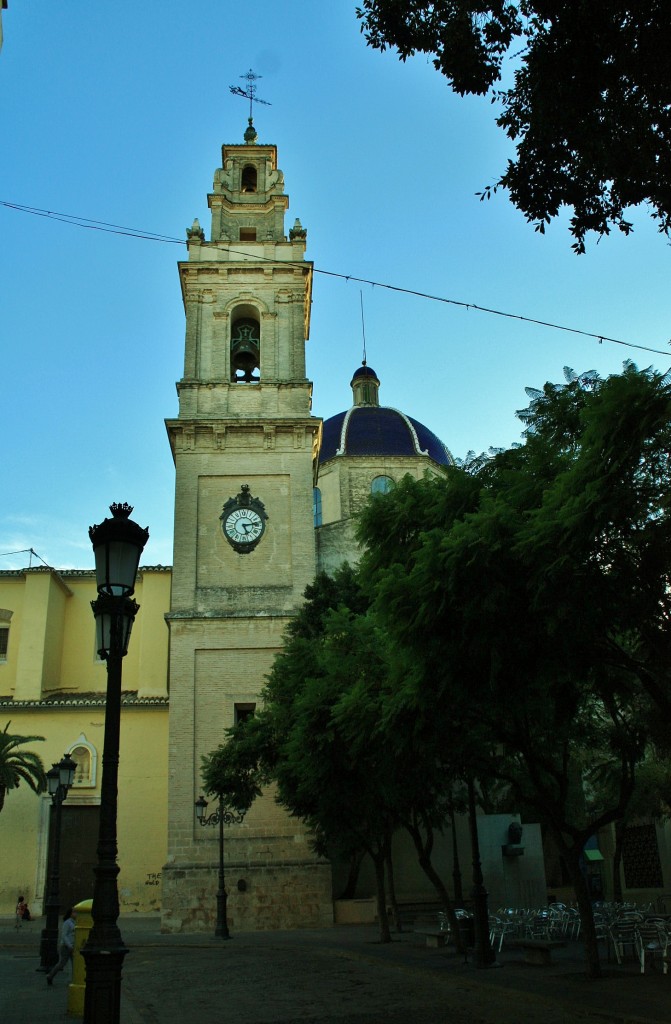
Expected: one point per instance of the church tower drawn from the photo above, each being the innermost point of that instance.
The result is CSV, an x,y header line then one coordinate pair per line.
x,y
244,445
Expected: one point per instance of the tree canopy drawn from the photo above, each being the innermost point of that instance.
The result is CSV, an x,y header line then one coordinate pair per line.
x,y
533,598
328,737
326,773
589,107
231,772
509,622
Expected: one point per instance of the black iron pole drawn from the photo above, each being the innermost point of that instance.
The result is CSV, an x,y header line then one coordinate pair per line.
x,y
49,937
221,931
456,869
484,954
104,950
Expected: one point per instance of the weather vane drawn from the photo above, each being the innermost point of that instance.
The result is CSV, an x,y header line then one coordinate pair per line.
x,y
250,92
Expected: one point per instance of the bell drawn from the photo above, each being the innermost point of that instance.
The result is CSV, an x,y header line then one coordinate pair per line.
x,y
244,360
244,350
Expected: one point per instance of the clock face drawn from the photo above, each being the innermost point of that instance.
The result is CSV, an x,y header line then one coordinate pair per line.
x,y
243,521
243,525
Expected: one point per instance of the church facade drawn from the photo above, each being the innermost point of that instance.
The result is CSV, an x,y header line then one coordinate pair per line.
x,y
266,495
251,481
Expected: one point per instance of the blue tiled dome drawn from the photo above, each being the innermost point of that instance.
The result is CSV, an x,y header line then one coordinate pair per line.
x,y
377,430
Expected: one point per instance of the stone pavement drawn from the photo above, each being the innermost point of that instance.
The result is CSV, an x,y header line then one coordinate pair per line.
x,y
341,975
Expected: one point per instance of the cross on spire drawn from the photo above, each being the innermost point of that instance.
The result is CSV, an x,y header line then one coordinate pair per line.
x,y
250,92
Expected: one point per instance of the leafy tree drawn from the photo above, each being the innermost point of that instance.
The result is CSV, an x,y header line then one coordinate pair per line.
x,y
418,768
589,108
328,737
532,597
298,741
232,773
602,526
341,791
18,766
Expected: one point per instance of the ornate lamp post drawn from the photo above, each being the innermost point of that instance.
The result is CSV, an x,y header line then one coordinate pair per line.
x,y
117,546
59,780
222,816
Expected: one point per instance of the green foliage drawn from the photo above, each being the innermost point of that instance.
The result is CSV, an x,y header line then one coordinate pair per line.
x,y
343,757
232,771
589,109
18,766
530,600
324,595
651,797
322,701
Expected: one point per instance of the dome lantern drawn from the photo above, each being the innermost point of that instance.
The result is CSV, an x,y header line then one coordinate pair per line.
x,y
365,386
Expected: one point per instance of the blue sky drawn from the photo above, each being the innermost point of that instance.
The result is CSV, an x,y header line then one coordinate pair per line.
x,y
117,113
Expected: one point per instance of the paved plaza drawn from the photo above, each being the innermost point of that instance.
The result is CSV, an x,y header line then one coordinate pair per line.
x,y
341,975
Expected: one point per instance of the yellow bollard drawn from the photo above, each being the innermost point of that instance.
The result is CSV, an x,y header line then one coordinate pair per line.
x,y
77,989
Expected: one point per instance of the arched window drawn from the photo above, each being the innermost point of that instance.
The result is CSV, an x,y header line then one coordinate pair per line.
x,y
85,757
245,349
248,181
317,506
241,712
381,485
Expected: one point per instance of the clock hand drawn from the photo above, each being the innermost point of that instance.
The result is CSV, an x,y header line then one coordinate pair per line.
x,y
246,527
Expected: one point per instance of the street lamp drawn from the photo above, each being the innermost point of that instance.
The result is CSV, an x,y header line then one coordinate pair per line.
x,y
117,545
222,816
59,780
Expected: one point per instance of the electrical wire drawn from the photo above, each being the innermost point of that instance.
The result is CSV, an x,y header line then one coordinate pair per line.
x,y
25,551
118,229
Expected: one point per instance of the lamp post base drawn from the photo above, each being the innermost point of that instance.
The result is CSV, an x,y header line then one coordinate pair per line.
x,y
102,1001
221,930
48,948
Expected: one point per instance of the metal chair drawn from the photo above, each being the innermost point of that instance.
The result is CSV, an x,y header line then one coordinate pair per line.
x,y
498,927
623,937
651,940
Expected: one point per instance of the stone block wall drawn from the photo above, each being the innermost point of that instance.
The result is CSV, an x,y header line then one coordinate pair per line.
x,y
276,896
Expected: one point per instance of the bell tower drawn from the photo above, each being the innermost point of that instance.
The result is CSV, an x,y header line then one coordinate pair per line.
x,y
244,445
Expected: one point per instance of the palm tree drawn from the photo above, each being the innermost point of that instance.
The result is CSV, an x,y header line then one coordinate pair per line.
x,y
19,765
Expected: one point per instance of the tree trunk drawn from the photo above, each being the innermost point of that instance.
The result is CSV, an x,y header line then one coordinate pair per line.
x,y
588,928
349,892
484,954
425,863
378,859
389,864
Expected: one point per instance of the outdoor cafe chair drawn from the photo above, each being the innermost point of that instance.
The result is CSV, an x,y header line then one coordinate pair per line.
x,y
498,928
623,937
651,940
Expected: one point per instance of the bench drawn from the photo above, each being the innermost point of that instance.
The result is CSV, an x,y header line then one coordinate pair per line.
x,y
435,938
538,951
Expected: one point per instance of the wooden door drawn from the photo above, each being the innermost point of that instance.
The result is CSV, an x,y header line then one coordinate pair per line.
x,y
79,839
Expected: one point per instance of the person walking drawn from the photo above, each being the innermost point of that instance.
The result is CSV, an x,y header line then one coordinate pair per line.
x,y
67,944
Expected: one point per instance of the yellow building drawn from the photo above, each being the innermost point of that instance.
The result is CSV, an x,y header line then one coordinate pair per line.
x,y
52,684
